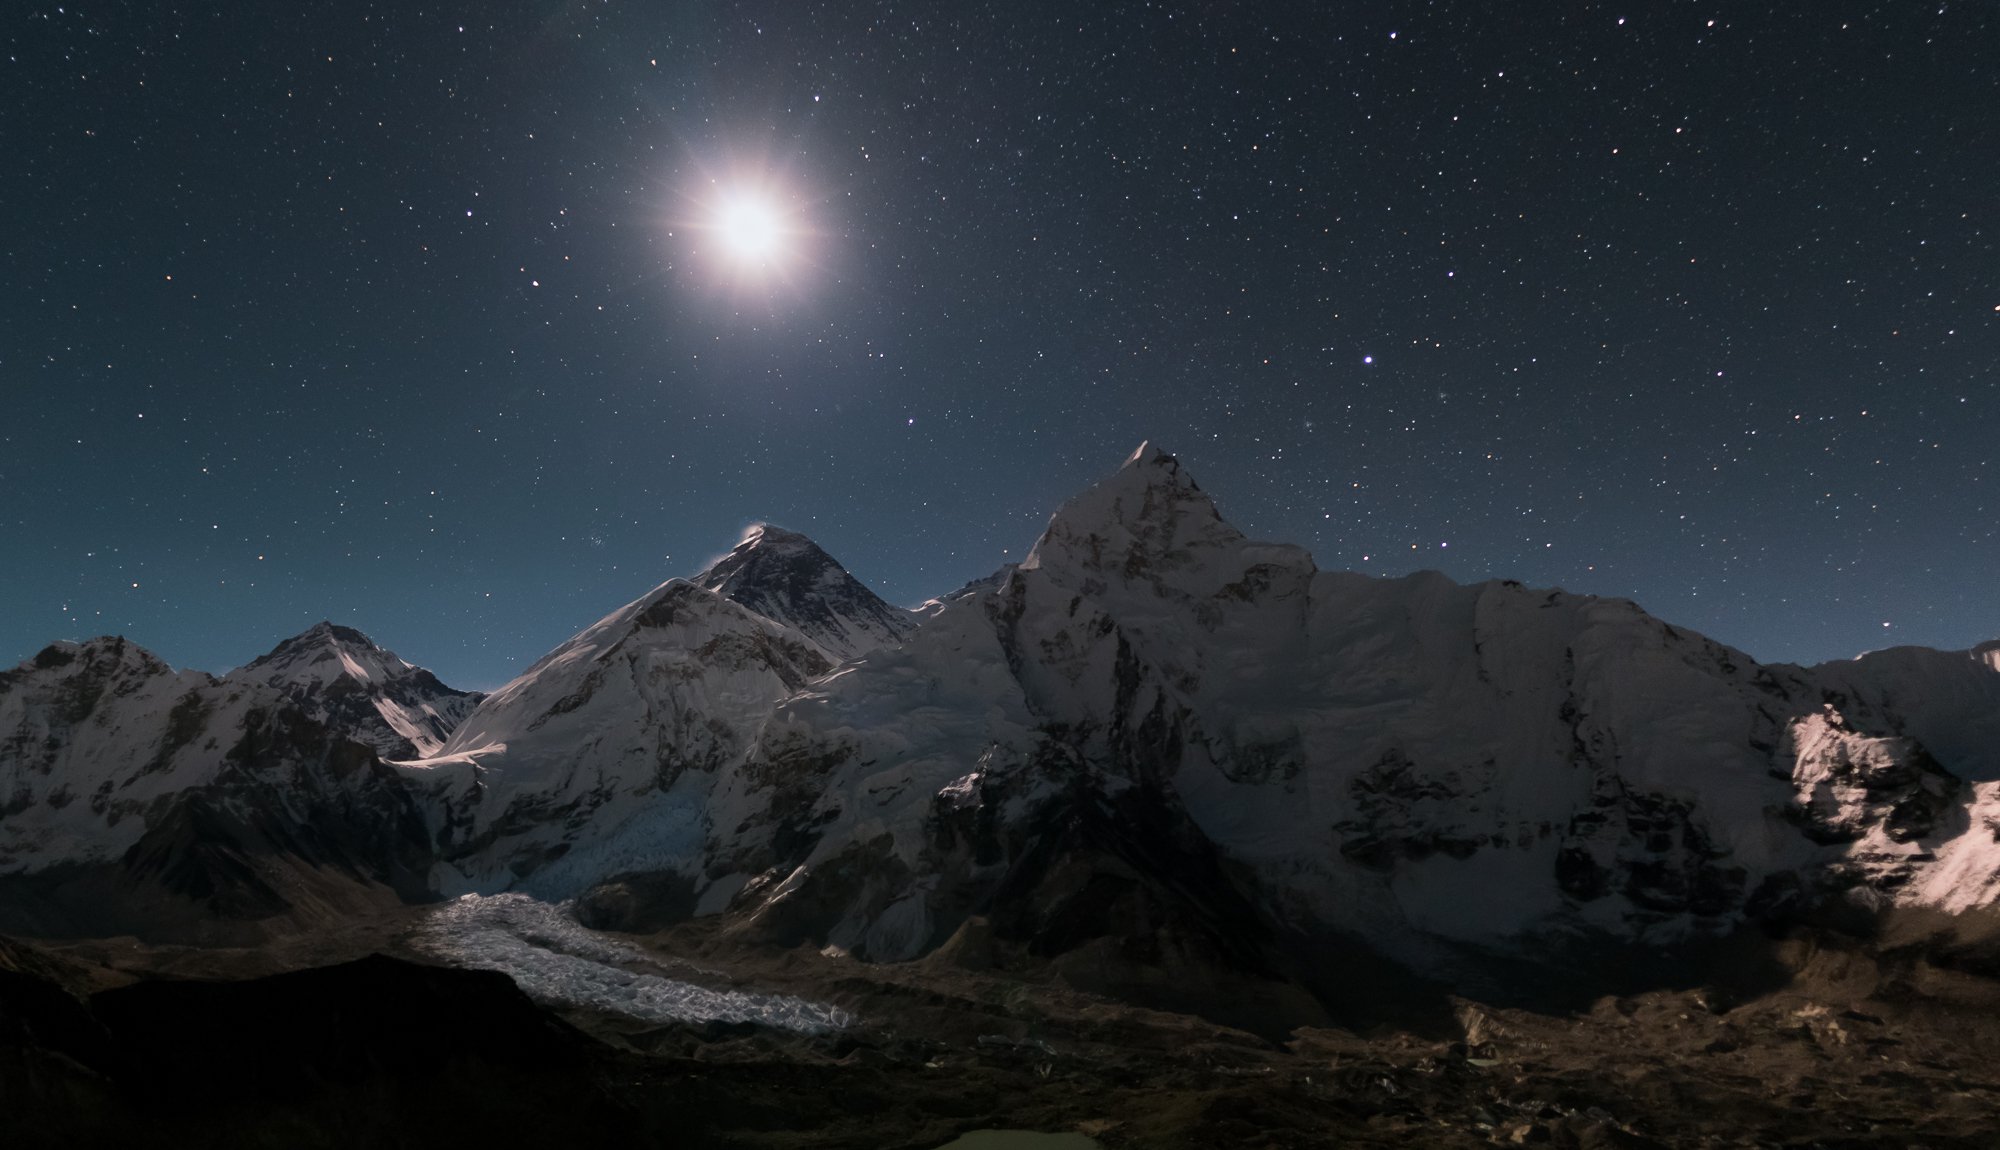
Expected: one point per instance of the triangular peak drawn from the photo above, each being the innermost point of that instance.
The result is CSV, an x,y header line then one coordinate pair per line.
x,y
786,577
1147,455
1146,511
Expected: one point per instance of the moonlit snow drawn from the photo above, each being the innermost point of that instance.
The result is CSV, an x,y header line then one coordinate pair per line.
x,y
557,962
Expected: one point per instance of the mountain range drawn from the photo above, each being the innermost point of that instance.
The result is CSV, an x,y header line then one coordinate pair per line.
x,y
1154,745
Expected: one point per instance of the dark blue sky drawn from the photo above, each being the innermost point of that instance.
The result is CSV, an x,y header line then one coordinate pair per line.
x,y
404,315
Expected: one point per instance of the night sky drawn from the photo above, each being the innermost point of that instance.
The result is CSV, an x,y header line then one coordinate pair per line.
x,y
420,316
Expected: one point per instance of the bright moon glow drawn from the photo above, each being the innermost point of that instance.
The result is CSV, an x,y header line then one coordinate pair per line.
x,y
753,230
750,229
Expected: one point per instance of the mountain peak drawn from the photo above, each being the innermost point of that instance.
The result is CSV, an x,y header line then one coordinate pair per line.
x,y
1148,455
105,654
786,577
768,560
326,631
337,674
332,649
773,537
1147,516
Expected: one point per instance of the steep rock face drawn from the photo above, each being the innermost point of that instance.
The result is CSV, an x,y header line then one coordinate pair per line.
x,y
1410,760
1924,785
788,579
338,676
1883,798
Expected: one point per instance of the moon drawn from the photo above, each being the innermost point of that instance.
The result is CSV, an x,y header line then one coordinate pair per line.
x,y
750,225
750,228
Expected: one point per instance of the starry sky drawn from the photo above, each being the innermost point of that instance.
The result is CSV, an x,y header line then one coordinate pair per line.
x,y
421,316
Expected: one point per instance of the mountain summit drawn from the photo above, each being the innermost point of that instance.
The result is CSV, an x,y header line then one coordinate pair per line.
x,y
339,676
786,577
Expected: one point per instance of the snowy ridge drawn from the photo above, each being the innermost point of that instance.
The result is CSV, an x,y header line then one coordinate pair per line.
x,y
1947,700
1423,764
191,795
1405,759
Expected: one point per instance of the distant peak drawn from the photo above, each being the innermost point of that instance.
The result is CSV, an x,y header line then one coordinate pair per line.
x,y
767,553
327,631
765,550
1148,455
1133,519
328,645
770,535
788,578
1152,466
102,651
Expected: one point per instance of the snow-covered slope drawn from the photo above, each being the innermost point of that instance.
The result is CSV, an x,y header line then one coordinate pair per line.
x,y
338,676
630,717
97,735
786,578
1405,759
1947,700
138,797
142,798
598,760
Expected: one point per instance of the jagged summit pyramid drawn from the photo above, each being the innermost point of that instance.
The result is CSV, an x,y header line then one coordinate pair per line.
x,y
616,735
786,577
341,677
324,652
1148,521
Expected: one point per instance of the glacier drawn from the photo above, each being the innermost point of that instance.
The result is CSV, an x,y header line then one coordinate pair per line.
x,y
557,962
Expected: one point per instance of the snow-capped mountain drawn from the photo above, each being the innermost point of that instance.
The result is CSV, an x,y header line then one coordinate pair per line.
x,y
141,797
601,755
1409,760
1154,729
660,693
338,676
96,734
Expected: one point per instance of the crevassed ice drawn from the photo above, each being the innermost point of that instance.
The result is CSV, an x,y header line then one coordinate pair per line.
x,y
554,960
